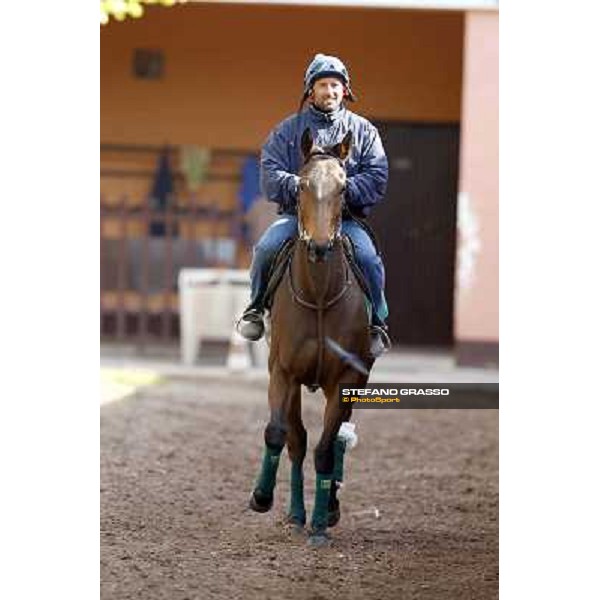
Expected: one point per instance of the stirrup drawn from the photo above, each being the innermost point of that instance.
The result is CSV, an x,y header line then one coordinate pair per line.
x,y
380,340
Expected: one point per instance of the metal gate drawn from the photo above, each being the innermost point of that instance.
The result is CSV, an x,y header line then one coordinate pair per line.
x,y
138,268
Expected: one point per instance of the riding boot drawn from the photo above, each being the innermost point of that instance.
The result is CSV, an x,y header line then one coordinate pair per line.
x,y
251,324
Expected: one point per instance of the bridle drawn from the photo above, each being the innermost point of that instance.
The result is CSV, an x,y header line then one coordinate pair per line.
x,y
302,233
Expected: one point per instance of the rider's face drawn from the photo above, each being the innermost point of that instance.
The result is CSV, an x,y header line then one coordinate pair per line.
x,y
327,93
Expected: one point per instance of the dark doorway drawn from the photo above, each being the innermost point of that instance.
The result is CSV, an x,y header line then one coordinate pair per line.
x,y
416,225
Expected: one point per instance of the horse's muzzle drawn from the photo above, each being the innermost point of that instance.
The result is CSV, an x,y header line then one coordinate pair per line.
x,y
319,252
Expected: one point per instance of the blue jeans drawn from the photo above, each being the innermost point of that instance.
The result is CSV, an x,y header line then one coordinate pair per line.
x,y
286,227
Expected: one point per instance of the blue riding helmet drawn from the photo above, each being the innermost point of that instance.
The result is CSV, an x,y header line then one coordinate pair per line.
x,y
323,65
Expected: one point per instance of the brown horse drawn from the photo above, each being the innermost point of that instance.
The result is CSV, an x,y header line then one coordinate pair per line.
x,y
319,338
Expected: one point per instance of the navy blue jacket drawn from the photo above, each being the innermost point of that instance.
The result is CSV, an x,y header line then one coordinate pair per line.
x,y
366,167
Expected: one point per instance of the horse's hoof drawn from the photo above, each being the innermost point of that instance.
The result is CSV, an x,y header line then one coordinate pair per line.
x,y
319,539
295,525
259,502
295,528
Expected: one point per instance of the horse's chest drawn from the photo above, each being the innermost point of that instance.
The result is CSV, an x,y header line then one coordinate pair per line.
x,y
297,340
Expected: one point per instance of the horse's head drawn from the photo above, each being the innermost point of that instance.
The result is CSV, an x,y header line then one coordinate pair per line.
x,y
321,198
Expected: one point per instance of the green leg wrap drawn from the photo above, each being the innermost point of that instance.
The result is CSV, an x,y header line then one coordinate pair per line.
x,y
297,512
320,510
268,472
339,448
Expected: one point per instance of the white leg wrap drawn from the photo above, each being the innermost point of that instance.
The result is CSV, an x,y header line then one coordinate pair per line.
x,y
348,434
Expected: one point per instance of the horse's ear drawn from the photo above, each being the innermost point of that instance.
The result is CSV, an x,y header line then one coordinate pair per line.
x,y
343,148
307,143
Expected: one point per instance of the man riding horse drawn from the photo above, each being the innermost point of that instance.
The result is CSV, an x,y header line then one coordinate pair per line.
x,y
326,85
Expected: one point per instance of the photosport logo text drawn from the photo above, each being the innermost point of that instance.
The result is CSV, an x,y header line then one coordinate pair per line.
x,y
420,395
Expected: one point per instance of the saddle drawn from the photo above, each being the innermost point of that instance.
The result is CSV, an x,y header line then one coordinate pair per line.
x,y
282,260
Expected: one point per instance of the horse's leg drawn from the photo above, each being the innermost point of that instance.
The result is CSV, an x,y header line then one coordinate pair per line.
x,y
353,379
339,450
280,391
324,466
296,443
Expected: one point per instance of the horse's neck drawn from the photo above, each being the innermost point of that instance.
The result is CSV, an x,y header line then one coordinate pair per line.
x,y
319,281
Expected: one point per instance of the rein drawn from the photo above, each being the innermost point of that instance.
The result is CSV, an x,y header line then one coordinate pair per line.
x,y
317,306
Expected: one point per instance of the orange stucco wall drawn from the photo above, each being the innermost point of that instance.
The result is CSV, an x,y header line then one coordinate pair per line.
x,y
233,71
476,313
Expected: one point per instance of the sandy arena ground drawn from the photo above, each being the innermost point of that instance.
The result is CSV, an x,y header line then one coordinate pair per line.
x,y
179,459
